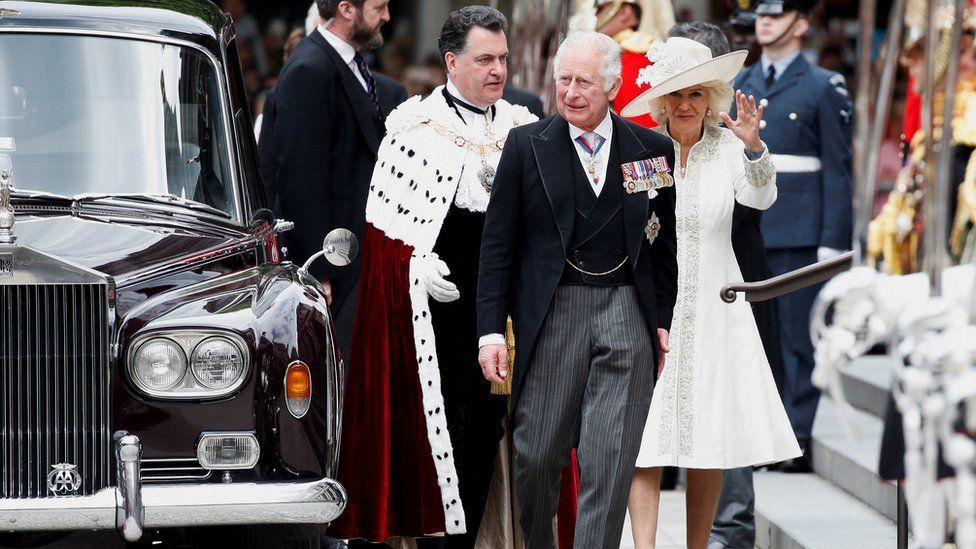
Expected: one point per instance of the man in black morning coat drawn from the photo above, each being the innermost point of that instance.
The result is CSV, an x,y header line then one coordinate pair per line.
x,y
328,122
590,283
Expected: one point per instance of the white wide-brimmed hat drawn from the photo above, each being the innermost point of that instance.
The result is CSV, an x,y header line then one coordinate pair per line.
x,y
678,64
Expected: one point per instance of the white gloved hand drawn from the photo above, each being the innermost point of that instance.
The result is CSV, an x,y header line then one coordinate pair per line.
x,y
432,271
824,253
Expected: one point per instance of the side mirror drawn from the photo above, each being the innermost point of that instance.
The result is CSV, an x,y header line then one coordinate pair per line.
x,y
261,219
340,248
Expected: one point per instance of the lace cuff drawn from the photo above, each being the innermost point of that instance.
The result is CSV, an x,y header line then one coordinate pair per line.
x,y
760,171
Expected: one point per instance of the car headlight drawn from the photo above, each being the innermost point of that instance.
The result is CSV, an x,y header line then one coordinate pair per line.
x,y
217,363
158,364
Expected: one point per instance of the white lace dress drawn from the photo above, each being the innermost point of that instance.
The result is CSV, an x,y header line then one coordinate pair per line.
x,y
715,405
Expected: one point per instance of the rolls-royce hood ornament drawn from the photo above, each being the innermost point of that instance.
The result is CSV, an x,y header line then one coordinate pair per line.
x,y
7,217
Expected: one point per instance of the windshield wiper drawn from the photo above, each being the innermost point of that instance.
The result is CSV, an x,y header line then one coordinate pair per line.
x,y
169,199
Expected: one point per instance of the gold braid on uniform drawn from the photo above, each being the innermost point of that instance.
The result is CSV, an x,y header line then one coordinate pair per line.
x,y
963,238
893,236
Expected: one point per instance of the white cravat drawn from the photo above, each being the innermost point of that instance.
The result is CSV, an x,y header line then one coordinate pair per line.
x,y
346,52
604,130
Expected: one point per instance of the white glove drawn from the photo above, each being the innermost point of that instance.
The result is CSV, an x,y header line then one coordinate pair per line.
x,y
432,271
824,253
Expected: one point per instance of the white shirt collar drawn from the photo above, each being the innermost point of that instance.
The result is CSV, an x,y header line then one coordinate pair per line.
x,y
781,64
604,130
345,49
454,91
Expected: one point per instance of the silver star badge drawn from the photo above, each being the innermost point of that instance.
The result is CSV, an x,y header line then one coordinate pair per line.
x,y
653,227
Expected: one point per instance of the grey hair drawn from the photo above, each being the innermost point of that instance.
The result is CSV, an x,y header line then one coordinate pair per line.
x,y
454,33
599,44
720,97
328,8
703,33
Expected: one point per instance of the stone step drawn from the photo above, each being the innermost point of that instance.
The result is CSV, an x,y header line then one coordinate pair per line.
x,y
852,465
866,383
807,512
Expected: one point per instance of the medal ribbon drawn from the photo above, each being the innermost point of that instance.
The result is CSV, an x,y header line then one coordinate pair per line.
x,y
581,141
592,151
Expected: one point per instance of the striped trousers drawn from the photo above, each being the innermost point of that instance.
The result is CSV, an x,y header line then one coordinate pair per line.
x,y
589,386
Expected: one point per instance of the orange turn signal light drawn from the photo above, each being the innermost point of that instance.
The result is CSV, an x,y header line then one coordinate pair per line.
x,y
298,381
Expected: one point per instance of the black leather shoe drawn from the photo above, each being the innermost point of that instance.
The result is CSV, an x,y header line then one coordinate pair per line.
x,y
801,464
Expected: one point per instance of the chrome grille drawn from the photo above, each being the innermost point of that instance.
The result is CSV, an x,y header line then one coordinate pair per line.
x,y
54,386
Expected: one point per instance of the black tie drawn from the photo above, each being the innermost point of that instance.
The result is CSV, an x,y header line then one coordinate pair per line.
x,y
368,77
771,76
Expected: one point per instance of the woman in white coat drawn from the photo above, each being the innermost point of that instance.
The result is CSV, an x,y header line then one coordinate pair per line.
x,y
715,405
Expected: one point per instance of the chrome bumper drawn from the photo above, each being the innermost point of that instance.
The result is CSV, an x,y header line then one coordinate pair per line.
x,y
131,508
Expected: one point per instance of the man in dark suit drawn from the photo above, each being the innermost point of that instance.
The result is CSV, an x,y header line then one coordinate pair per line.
x,y
528,100
328,114
807,126
583,259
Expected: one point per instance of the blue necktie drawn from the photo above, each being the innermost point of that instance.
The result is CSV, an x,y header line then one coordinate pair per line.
x,y
368,77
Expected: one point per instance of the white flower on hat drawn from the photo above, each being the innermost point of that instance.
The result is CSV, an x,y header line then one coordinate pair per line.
x,y
679,63
655,51
663,67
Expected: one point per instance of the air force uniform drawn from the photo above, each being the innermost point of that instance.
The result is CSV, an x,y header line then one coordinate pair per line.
x,y
807,127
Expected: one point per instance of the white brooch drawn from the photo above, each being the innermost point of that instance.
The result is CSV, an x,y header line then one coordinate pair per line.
x,y
653,227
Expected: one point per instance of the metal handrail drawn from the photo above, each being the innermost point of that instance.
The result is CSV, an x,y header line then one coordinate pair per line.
x,y
788,282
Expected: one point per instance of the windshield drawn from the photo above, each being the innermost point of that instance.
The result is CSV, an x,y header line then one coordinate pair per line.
x,y
114,116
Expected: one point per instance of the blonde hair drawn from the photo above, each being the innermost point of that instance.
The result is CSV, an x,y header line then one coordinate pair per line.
x,y
720,95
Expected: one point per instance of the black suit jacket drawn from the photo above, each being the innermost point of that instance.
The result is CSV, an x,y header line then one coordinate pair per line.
x,y
526,99
529,225
318,151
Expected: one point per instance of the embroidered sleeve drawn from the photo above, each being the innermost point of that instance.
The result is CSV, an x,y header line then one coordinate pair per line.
x,y
760,170
754,180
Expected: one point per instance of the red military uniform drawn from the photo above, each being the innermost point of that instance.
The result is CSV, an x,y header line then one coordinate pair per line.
x,y
633,59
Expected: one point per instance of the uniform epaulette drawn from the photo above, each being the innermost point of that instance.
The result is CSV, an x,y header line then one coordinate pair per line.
x,y
633,41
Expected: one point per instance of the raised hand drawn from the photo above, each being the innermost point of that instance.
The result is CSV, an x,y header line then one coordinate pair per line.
x,y
746,124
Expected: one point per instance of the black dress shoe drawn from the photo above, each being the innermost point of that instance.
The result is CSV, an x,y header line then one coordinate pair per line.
x,y
801,464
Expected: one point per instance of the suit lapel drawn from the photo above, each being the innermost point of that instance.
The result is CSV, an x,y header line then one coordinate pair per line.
x,y
756,80
362,107
635,205
550,146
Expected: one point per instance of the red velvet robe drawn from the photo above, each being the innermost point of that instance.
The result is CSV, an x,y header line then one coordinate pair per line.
x,y
397,459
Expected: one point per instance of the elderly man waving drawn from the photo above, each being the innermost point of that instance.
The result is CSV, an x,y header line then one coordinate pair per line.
x,y
579,248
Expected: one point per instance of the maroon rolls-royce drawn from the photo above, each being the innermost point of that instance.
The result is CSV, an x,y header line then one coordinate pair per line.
x,y
161,363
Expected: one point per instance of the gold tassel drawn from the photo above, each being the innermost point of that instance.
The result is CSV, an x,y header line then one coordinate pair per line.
x,y
506,388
